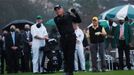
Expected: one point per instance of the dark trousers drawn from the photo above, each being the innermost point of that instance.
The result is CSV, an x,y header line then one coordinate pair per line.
x,y
26,60
68,46
2,59
97,47
123,47
12,61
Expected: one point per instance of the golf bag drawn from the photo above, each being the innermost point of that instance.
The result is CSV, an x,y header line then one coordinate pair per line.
x,y
53,55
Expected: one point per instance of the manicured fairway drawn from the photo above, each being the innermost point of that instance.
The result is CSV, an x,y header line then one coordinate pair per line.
x,y
85,73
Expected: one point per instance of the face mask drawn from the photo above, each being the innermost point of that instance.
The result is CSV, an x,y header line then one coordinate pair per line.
x,y
38,25
12,30
27,29
121,22
4,34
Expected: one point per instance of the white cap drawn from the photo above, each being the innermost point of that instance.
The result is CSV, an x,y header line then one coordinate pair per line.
x,y
121,18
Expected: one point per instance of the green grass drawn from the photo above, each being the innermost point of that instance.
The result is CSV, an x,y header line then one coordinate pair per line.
x,y
85,73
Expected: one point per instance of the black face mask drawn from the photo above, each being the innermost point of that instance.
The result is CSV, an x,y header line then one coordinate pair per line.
x,y
27,29
121,22
38,25
4,34
12,30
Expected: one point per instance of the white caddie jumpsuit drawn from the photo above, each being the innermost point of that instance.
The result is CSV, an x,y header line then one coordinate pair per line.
x,y
79,52
36,44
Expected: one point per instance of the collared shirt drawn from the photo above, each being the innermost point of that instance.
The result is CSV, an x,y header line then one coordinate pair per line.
x,y
13,37
28,35
3,38
121,37
95,27
79,35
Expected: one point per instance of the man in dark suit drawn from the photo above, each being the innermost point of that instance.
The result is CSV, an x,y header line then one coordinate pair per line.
x,y
26,51
12,43
2,51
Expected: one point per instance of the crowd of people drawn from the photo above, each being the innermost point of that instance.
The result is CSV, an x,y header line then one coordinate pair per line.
x,y
11,49
23,50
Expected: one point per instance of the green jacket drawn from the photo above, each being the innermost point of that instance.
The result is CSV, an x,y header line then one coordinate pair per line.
x,y
127,33
112,41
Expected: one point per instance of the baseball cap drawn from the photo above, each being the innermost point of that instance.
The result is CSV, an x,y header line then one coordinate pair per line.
x,y
95,18
57,7
121,18
39,17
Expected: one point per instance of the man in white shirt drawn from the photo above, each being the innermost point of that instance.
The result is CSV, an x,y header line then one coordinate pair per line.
x,y
79,52
39,35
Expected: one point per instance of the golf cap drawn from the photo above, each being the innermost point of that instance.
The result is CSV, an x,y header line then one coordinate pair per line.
x,y
121,18
95,18
57,7
39,17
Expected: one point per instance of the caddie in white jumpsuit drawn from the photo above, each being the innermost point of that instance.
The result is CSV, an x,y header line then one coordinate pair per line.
x,y
79,52
39,35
